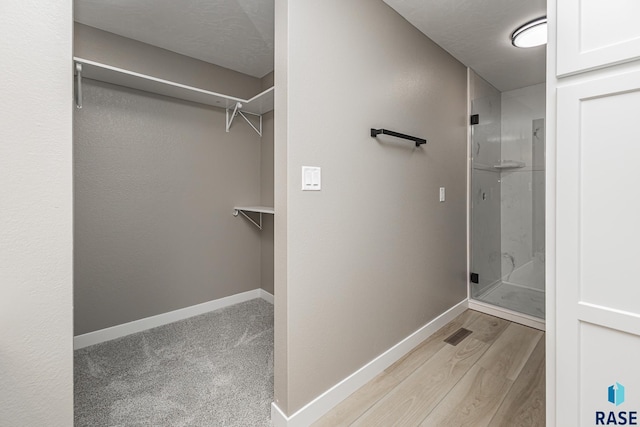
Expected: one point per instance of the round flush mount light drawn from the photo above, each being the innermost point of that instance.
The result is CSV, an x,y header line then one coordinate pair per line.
x,y
531,34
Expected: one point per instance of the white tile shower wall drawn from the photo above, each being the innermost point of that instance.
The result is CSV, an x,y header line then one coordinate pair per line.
x,y
538,191
485,225
522,195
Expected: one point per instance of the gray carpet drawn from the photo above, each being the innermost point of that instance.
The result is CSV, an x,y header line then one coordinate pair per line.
x,y
211,370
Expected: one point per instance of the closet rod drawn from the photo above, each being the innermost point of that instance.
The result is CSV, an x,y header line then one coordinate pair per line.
x,y
418,141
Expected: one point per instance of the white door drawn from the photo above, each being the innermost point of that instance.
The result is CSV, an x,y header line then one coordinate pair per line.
x,y
596,33
598,247
597,281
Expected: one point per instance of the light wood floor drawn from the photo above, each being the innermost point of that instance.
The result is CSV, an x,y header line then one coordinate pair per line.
x,y
494,377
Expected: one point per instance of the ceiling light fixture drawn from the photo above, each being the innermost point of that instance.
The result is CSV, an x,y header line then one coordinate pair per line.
x,y
531,34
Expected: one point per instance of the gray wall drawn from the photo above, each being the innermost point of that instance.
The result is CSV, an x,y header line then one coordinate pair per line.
x,y
155,181
268,80
374,256
36,363
108,48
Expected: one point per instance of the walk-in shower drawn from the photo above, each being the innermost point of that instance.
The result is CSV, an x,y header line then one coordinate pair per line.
x,y
507,197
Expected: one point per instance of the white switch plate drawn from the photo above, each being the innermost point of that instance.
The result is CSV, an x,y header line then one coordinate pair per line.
x,y
311,178
442,194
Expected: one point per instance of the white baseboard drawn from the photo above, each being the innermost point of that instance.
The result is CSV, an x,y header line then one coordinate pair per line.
x,y
278,418
118,331
336,394
266,295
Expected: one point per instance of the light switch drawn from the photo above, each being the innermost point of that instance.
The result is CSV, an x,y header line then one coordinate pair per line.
x,y
442,194
311,178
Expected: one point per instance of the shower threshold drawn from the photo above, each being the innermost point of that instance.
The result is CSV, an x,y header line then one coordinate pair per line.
x,y
512,302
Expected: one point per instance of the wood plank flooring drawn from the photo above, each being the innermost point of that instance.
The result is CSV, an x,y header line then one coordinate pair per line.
x,y
494,377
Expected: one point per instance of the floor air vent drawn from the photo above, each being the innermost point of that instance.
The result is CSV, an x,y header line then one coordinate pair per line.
x,y
457,337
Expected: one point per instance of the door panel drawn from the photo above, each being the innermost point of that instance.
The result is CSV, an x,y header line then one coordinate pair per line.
x,y
595,33
597,234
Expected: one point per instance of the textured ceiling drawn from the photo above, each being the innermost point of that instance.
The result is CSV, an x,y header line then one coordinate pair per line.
x,y
236,34
477,33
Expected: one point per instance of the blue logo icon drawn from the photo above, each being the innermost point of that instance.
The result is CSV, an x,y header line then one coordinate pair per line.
x,y
616,394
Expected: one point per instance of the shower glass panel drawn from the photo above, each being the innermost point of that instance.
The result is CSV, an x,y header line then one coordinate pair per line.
x,y
507,198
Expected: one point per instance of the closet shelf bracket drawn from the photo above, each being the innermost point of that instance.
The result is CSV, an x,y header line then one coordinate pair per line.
x,y
255,209
237,111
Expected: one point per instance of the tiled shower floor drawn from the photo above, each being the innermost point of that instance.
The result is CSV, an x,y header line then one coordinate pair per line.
x,y
517,298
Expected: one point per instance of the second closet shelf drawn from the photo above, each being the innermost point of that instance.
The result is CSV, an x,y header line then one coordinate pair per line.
x,y
257,209
259,104
260,210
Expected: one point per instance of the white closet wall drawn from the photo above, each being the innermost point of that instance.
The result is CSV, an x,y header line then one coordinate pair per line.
x,y
36,365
